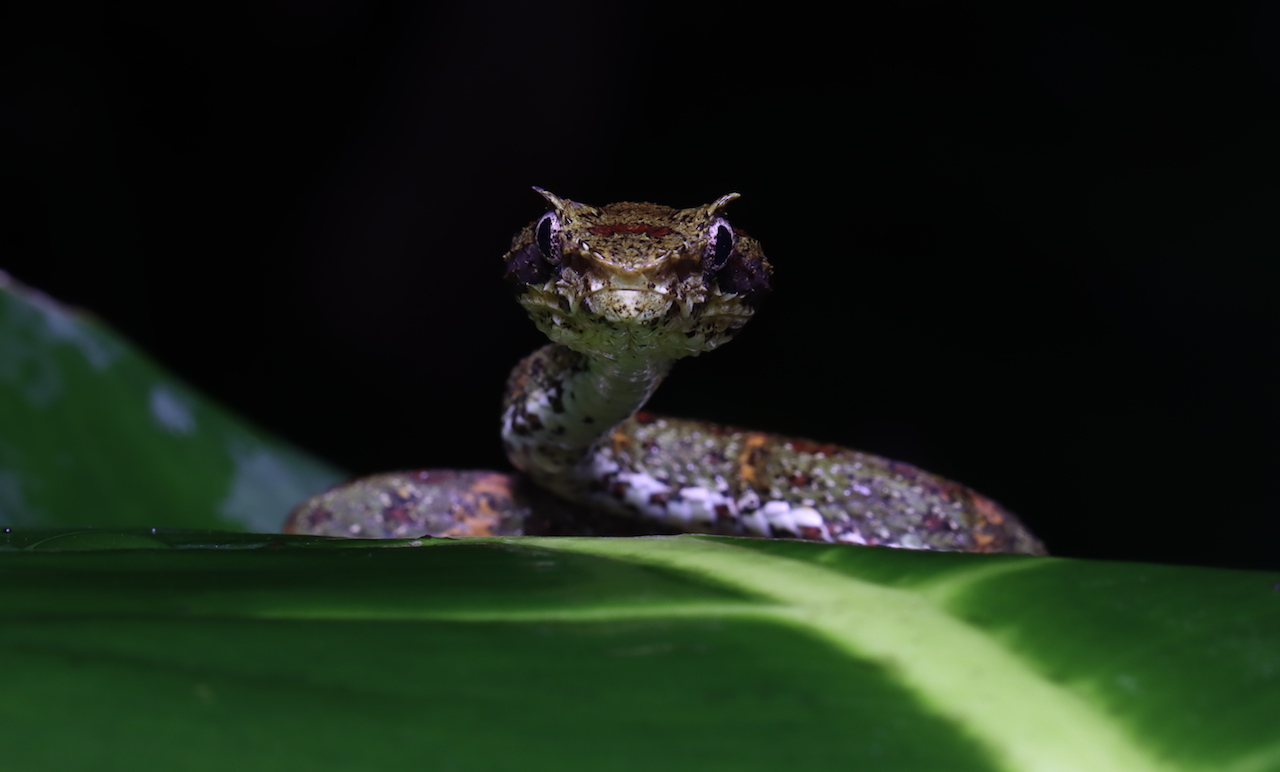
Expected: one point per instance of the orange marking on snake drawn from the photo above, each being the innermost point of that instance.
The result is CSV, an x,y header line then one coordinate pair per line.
x,y
754,445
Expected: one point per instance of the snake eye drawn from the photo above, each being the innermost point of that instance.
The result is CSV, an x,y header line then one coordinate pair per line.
x,y
719,246
735,264
545,234
535,263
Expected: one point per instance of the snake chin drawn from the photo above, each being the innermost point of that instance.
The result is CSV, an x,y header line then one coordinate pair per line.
x,y
634,306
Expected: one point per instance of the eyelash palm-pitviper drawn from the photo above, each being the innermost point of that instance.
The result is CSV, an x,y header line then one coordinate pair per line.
x,y
623,291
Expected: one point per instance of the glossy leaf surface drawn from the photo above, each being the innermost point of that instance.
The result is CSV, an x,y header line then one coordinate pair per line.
x,y
688,652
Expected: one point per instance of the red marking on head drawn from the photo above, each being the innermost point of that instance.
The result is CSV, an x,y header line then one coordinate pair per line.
x,y
652,231
808,446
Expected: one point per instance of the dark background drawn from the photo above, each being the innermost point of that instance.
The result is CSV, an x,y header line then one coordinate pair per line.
x,y
1033,250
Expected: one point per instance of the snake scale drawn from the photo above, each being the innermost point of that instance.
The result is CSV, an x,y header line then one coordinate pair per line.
x,y
622,292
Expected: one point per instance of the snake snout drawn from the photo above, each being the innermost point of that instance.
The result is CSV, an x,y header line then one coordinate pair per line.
x,y
629,306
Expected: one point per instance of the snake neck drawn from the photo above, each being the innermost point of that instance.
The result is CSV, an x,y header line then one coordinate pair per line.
x,y
560,405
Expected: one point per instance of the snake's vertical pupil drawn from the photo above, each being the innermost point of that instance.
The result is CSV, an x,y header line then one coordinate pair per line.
x,y
547,227
720,247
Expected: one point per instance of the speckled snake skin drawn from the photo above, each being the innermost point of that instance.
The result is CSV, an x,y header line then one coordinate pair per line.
x,y
623,291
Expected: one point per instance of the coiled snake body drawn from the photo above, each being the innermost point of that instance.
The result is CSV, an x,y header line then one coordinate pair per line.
x,y
623,291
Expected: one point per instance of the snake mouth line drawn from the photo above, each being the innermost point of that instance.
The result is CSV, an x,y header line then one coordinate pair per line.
x,y
649,291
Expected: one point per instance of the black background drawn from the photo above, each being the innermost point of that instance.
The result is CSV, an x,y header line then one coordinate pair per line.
x,y
1033,250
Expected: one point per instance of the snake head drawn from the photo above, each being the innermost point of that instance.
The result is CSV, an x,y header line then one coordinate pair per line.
x,y
637,280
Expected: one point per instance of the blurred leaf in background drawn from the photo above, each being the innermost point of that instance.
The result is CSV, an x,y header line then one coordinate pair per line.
x,y
92,432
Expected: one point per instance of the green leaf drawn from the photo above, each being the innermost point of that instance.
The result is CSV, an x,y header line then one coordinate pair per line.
x,y
269,652
93,433
166,648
